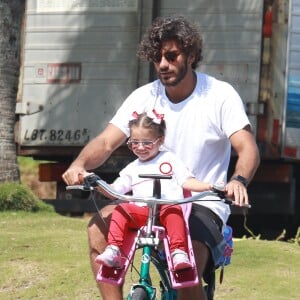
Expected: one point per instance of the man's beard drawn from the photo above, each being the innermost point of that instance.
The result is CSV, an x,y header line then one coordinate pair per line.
x,y
181,74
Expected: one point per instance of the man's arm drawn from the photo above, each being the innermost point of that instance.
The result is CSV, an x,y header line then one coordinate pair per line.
x,y
243,142
95,153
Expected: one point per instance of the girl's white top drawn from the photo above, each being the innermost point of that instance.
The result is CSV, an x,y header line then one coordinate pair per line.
x,y
165,163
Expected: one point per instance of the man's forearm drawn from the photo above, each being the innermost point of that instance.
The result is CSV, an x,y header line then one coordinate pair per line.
x,y
247,164
99,149
92,155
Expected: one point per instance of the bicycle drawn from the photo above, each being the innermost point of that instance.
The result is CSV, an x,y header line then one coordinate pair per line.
x,y
150,238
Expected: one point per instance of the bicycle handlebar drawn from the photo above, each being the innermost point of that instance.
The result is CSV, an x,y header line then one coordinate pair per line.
x,y
93,181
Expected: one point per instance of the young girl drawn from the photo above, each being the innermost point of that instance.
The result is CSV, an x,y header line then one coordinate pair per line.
x,y
147,132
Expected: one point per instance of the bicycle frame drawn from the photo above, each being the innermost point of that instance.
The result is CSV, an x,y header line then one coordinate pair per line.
x,y
149,238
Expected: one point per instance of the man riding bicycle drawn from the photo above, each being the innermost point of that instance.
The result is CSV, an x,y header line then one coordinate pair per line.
x,y
205,118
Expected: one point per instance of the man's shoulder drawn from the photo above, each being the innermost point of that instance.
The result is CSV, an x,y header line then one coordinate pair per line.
x,y
150,88
211,81
138,100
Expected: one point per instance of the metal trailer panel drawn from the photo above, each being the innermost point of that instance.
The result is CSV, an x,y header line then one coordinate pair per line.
x,y
278,66
291,125
79,60
79,63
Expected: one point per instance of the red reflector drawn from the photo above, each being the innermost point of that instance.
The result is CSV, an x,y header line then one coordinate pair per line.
x,y
51,171
290,152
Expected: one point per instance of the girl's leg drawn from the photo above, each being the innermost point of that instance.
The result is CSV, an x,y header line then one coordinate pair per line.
x,y
125,216
97,233
171,217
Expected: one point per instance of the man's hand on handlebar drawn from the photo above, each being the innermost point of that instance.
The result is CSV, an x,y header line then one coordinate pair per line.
x,y
238,192
72,175
222,192
75,175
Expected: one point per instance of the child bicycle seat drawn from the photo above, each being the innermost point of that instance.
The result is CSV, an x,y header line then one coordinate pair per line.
x,y
179,279
186,277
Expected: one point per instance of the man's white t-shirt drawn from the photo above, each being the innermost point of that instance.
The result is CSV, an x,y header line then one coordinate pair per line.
x,y
165,163
198,128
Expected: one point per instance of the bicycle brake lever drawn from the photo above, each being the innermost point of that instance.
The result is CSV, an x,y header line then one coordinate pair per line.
x,y
228,201
219,190
231,202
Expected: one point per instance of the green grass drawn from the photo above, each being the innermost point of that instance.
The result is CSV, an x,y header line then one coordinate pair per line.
x,y
28,164
45,256
30,176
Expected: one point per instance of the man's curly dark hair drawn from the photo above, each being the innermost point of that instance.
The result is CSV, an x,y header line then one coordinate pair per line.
x,y
176,28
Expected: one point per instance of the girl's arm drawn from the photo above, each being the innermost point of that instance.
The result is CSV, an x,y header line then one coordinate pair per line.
x,y
195,185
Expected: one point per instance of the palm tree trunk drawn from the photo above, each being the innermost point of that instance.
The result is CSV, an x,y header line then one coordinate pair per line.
x,y
11,15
